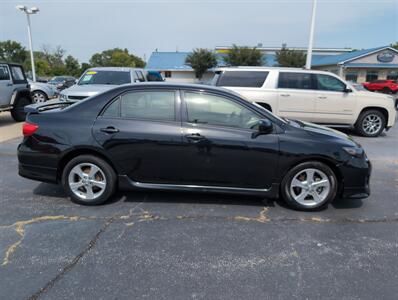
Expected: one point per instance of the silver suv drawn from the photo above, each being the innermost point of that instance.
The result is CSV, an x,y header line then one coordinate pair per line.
x,y
101,79
14,90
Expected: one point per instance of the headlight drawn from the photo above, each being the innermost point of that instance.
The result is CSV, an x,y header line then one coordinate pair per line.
x,y
354,151
62,97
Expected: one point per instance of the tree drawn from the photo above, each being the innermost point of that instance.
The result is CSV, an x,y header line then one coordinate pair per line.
x,y
244,56
116,58
11,51
201,60
72,66
290,58
395,45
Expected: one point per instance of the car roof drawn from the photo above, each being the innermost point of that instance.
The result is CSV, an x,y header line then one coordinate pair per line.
x,y
258,69
123,69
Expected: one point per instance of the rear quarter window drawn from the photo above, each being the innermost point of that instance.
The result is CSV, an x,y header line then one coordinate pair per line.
x,y
242,78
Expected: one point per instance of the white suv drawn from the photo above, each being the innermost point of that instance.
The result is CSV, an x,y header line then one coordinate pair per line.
x,y
311,95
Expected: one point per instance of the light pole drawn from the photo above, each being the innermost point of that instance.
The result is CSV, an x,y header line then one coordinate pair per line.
x,y
311,41
28,12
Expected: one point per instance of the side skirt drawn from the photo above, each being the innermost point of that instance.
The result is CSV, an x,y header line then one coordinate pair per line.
x,y
126,183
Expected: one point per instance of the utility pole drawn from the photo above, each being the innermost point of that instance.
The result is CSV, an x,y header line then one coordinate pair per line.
x,y
29,12
311,40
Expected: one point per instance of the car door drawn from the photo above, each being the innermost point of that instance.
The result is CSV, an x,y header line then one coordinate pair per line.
x,y
6,87
296,95
220,148
141,133
335,104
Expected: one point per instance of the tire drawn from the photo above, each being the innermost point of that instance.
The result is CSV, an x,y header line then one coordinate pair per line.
x,y
369,118
386,90
302,196
84,182
18,113
39,96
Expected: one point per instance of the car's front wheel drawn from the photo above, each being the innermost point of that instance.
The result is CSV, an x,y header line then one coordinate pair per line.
x,y
309,185
371,123
89,180
39,97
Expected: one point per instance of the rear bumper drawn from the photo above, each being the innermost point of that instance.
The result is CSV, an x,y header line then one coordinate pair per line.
x,y
38,173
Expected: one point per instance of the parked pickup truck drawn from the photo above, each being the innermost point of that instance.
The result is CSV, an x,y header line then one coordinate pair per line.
x,y
14,90
312,96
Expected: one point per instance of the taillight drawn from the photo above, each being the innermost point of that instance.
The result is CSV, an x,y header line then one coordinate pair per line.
x,y
28,128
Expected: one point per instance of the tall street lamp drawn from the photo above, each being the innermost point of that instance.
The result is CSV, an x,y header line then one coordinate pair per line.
x,y
28,12
311,40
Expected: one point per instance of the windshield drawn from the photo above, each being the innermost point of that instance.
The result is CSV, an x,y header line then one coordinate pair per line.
x,y
105,77
358,87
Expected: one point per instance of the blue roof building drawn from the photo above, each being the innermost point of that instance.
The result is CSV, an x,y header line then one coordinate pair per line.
x,y
357,66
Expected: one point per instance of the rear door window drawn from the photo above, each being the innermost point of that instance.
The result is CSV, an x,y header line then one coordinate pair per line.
x,y
291,80
242,78
148,105
4,75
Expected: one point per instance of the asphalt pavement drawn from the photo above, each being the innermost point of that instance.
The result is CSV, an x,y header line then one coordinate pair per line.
x,y
158,245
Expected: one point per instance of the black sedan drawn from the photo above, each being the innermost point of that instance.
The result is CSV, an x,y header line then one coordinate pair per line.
x,y
191,138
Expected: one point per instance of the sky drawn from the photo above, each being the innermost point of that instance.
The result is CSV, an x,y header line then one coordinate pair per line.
x,y
85,27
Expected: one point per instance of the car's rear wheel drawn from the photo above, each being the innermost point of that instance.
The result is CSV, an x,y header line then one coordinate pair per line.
x,y
39,97
89,180
18,112
309,185
371,123
386,90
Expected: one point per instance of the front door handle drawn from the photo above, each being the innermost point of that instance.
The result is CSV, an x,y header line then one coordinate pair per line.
x,y
195,137
110,130
322,97
9,84
285,95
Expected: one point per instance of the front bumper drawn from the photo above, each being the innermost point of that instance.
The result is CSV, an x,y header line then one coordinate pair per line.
x,y
356,181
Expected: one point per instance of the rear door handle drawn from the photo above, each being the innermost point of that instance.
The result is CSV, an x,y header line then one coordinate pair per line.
x,y
195,137
110,130
322,97
285,95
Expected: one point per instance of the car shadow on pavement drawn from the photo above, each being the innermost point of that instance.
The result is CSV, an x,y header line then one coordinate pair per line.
x,y
344,203
190,198
56,191
49,190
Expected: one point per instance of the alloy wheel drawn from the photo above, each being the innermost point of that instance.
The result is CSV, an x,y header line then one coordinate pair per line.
x,y
371,124
87,181
38,97
310,187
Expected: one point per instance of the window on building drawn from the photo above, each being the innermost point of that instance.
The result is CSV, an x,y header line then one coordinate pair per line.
x,y
150,105
290,80
392,75
167,74
372,76
351,76
242,78
218,111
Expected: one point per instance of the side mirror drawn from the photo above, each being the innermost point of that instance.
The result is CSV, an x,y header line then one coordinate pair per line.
x,y
347,90
264,126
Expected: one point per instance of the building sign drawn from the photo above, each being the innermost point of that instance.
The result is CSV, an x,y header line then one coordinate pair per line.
x,y
385,57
